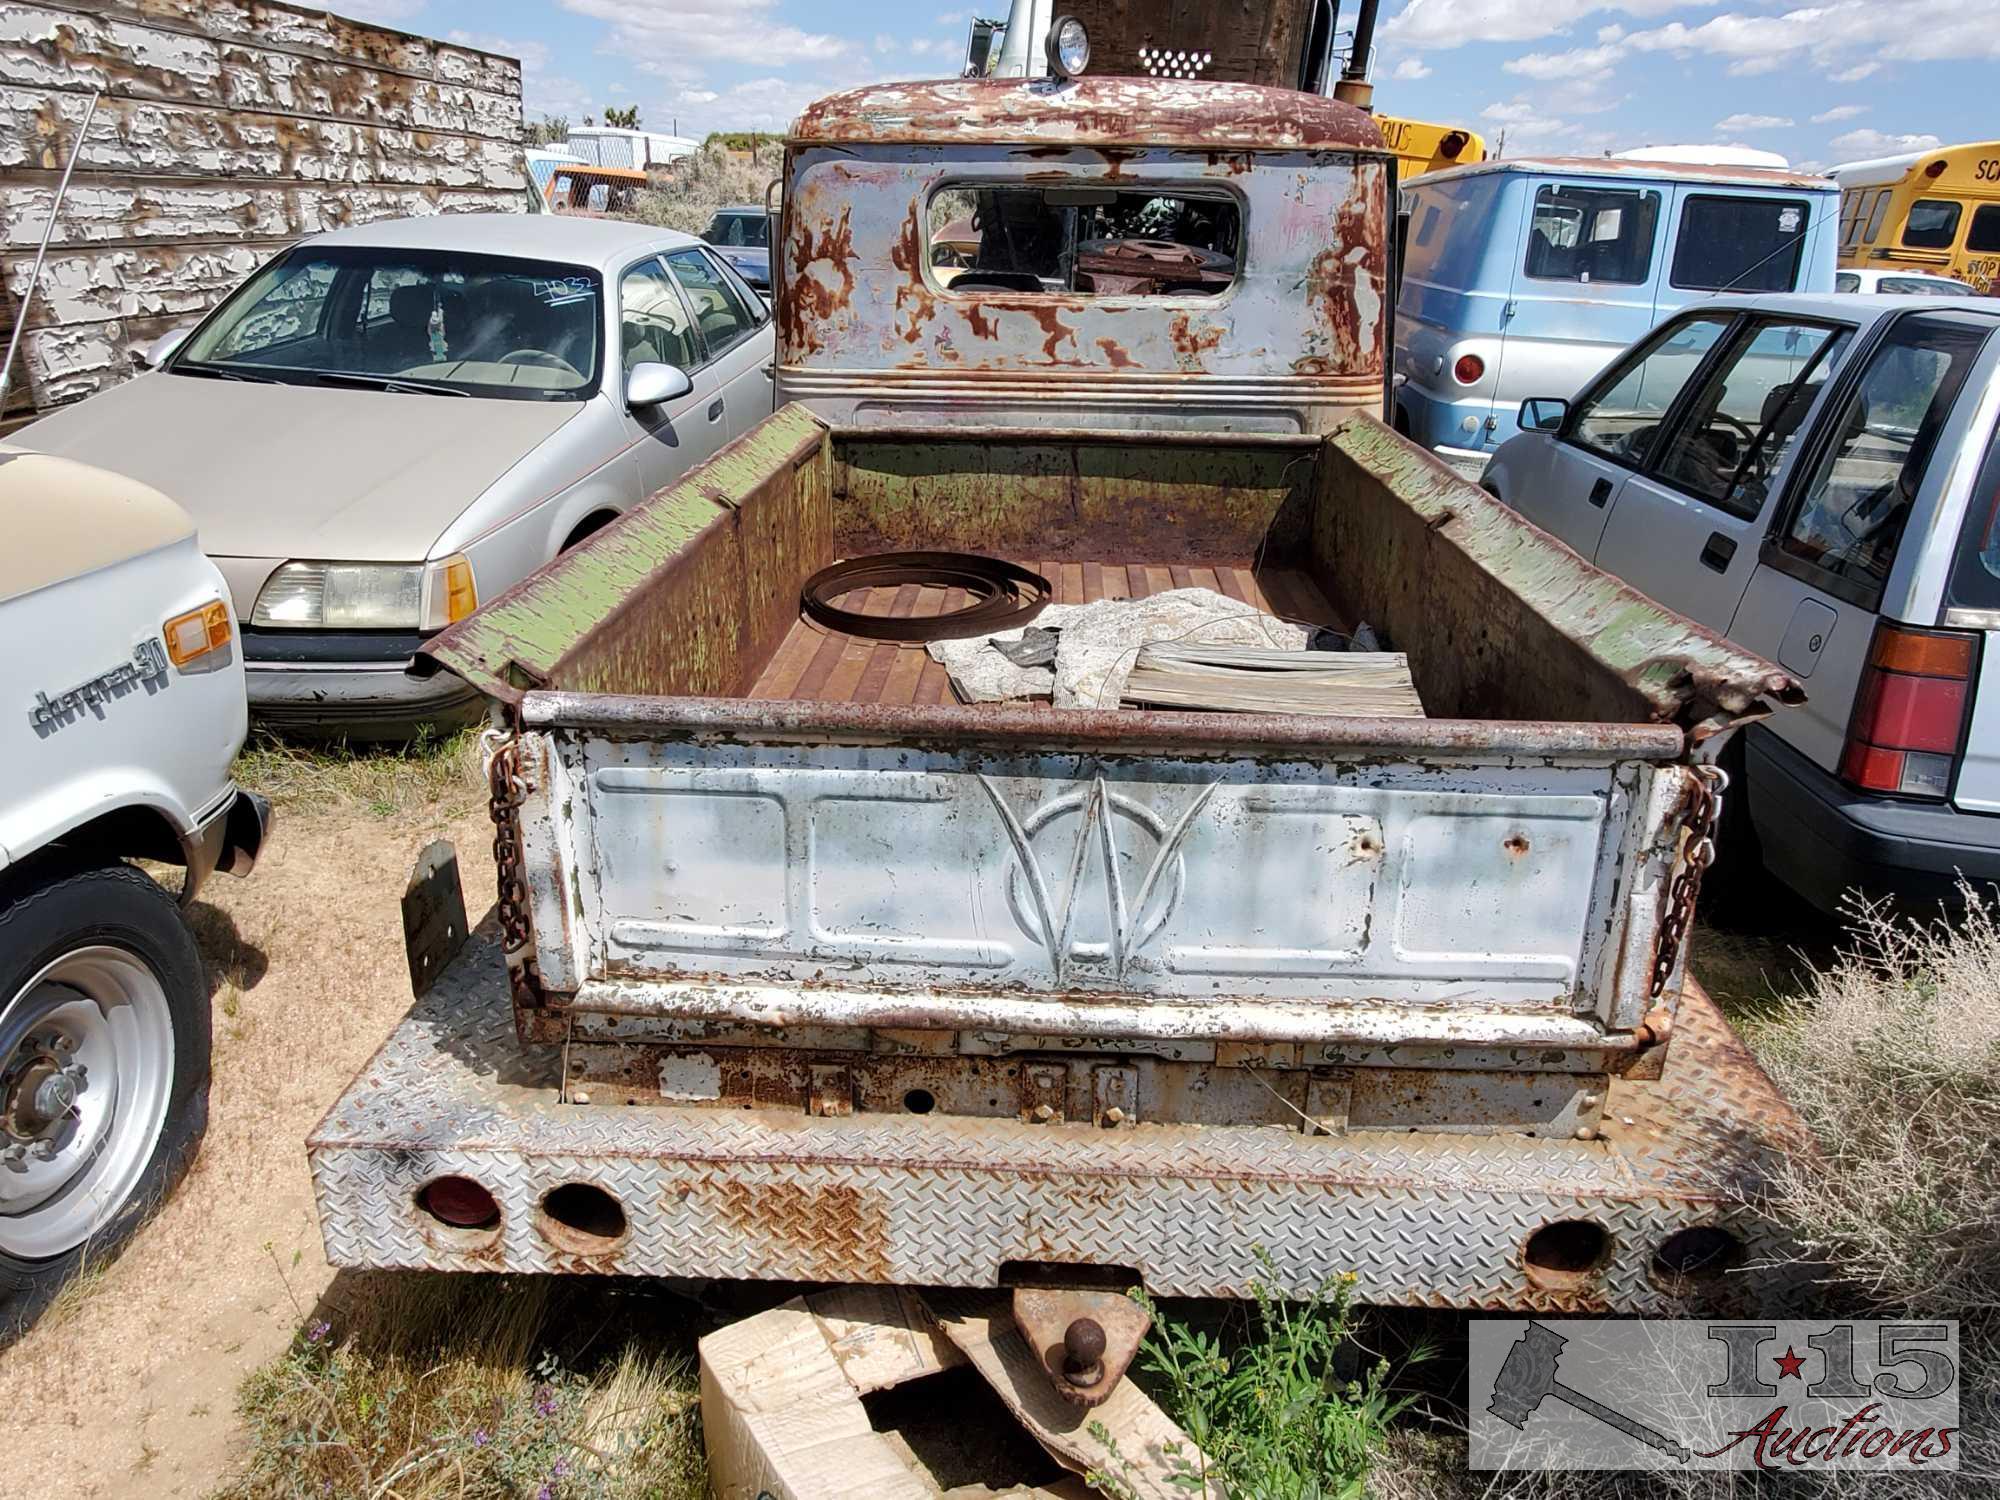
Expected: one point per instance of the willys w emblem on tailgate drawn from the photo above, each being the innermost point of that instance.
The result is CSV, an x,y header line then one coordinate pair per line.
x,y
1129,925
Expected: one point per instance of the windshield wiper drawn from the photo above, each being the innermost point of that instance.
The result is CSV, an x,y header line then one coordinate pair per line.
x,y
217,372
385,383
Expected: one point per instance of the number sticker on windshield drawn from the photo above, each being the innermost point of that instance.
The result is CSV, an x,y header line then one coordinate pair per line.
x,y
559,291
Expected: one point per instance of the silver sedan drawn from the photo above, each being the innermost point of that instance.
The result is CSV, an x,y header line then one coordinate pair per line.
x,y
386,425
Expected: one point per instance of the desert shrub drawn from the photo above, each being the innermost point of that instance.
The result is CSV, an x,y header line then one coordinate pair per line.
x,y
686,195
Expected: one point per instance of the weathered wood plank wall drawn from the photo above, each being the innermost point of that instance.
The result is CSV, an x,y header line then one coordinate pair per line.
x,y
228,129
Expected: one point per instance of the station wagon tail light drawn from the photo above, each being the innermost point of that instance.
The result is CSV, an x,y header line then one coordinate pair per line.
x,y
1468,369
1909,717
192,636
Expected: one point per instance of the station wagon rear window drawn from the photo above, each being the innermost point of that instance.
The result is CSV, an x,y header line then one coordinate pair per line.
x,y
1740,244
419,321
1593,235
1083,240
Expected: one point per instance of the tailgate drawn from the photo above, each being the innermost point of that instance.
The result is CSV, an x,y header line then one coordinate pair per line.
x,y
837,865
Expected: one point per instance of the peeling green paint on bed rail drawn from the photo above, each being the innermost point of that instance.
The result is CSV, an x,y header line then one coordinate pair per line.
x,y
560,626
1459,577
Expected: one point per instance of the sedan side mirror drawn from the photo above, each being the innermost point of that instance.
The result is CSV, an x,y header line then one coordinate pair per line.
x,y
1543,414
151,356
650,383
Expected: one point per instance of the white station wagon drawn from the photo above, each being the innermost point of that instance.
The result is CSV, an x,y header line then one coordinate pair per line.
x,y
386,425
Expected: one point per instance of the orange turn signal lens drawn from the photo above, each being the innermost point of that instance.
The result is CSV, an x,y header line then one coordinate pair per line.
x,y
1922,653
460,597
191,636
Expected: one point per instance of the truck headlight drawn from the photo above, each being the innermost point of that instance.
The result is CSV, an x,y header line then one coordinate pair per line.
x,y
367,596
1068,47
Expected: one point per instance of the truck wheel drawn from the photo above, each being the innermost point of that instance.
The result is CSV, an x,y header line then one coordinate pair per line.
x,y
104,1054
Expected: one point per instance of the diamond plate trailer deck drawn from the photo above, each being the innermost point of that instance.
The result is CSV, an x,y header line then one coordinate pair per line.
x,y
1421,1219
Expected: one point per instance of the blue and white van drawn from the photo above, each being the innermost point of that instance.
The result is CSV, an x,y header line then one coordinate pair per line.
x,y
1524,278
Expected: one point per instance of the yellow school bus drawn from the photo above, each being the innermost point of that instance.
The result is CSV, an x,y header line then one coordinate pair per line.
x,y
1936,209
1421,146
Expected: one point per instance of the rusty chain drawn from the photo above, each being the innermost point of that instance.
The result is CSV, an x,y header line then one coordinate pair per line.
x,y
1697,853
506,788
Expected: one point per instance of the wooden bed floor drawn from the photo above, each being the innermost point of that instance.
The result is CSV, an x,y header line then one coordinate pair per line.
x,y
817,665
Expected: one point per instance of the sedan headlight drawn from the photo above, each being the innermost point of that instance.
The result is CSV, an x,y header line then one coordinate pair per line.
x,y
367,596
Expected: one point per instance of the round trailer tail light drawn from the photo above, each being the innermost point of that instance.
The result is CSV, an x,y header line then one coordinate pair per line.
x,y
1468,369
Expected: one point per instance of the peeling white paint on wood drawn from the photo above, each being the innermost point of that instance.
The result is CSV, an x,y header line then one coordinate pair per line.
x,y
227,129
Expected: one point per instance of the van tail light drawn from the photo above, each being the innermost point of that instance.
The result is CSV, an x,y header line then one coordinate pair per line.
x,y
1468,369
1909,717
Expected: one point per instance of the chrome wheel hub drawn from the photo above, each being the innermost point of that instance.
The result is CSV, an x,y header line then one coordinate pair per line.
x,y
86,1066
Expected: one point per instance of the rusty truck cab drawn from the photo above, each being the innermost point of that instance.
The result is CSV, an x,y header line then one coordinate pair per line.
x,y
1145,254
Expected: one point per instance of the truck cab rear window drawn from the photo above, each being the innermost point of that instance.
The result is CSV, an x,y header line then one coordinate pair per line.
x,y
1740,244
1084,241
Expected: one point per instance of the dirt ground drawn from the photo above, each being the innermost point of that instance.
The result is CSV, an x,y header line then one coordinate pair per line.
x,y
129,1387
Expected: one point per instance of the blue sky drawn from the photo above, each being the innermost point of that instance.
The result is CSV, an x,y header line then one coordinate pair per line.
x,y
1824,83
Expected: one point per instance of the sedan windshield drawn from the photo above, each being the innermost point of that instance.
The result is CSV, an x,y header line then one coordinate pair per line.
x,y
437,322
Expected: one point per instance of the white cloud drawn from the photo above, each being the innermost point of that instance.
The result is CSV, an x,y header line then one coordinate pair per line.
x,y
885,43
534,56
1410,69
1754,122
1578,62
1832,35
1856,144
672,41
1440,24
953,17
1839,112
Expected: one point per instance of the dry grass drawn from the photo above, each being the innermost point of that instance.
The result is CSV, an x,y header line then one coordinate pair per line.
x,y
1885,1044
422,1385
436,776
1894,1061
686,195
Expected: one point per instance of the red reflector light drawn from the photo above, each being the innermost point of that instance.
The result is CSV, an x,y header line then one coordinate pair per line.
x,y
1909,715
459,1202
1468,369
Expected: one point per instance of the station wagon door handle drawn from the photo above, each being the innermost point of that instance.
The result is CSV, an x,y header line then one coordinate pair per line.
x,y
715,410
1715,554
1600,492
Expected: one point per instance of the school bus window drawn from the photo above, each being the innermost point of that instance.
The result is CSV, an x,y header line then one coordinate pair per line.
x,y
1932,225
1875,215
1984,235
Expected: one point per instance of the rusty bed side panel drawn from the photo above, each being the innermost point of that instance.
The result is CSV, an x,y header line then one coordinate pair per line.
x,y
1503,621
1107,499
688,592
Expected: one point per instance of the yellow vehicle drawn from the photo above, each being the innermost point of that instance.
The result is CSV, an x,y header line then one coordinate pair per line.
x,y
1421,146
1936,209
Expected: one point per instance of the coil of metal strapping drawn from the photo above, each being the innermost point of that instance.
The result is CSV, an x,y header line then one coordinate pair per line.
x,y
1004,596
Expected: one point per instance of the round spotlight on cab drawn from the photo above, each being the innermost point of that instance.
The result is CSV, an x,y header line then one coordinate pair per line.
x,y
1068,47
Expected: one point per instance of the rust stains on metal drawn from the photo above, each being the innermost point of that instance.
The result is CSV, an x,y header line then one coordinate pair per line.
x,y
825,1224
1345,289
1096,112
913,294
1054,330
810,297
1115,356
1192,344
980,321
